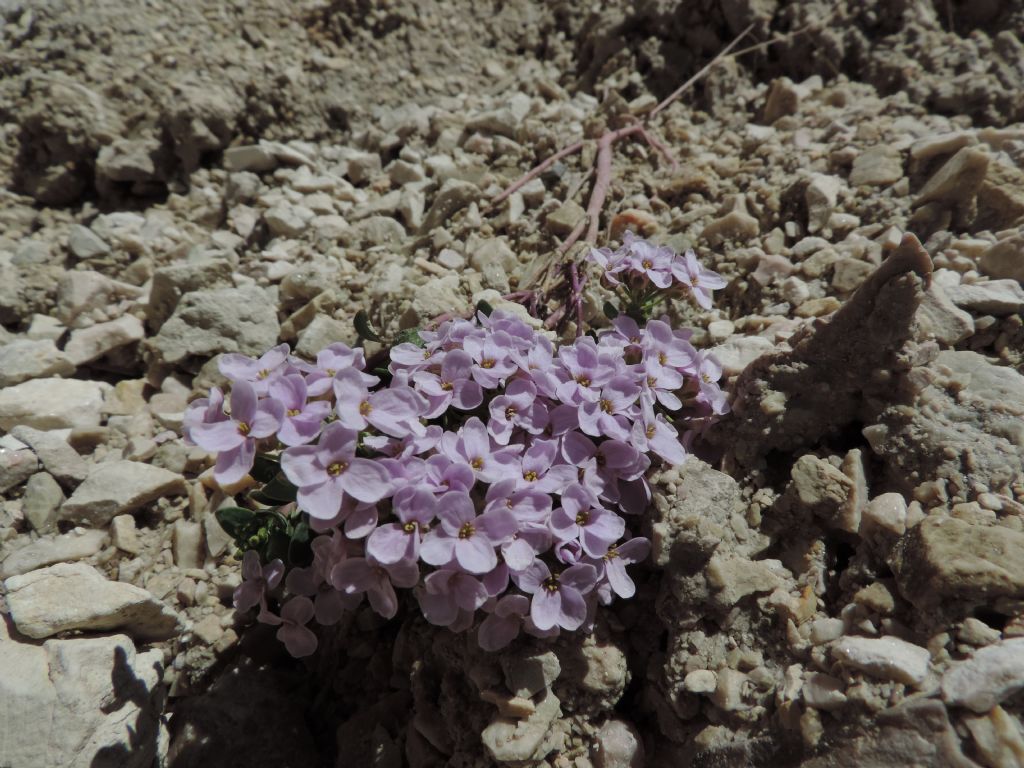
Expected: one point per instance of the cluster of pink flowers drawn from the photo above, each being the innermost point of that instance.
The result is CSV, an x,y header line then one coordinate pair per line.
x,y
492,473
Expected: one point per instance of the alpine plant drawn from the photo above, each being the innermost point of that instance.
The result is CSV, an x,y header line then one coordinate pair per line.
x,y
496,475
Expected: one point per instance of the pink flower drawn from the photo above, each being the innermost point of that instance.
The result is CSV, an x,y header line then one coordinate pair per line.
x,y
557,598
447,593
358,575
394,411
473,445
501,627
613,564
257,580
700,281
293,632
235,437
465,538
580,518
415,509
327,472
302,420
261,373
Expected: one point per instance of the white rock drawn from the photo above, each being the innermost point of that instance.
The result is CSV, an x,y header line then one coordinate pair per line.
x,y
80,703
115,487
887,658
510,740
124,535
16,466
80,292
88,344
826,630
618,746
991,675
57,456
887,512
701,681
24,359
821,195
52,404
994,297
76,545
188,548
737,352
287,220
43,497
86,244
824,692
75,596
250,157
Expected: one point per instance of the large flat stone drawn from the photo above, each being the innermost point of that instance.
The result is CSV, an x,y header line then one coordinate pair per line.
x,y
115,487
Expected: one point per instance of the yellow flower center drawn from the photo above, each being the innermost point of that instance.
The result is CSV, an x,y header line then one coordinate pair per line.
x,y
477,463
409,527
447,386
530,476
466,531
647,263
606,406
243,428
612,553
551,584
293,412
650,431
487,363
662,358
336,468
510,412
263,374
583,381
582,518
365,408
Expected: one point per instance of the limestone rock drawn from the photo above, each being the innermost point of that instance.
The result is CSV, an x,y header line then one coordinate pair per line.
x,y
991,675
81,703
115,487
76,545
618,745
561,221
958,180
43,497
509,741
783,99
92,343
887,658
16,466
939,318
945,559
207,322
821,195
878,166
24,359
55,453
529,673
453,196
52,404
75,596
960,405
1005,259
825,491
86,244
732,578
993,297
172,282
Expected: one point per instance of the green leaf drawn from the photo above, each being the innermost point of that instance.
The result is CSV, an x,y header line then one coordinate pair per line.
x,y
237,522
610,310
410,336
299,550
362,324
278,491
483,306
265,468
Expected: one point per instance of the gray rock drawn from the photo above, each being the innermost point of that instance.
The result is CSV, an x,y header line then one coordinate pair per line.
x,y
878,166
318,334
76,545
16,466
86,244
940,319
1005,259
57,456
80,292
826,492
188,548
379,230
618,745
287,220
23,359
508,740
958,180
958,405
991,675
52,404
124,535
92,343
453,196
131,160
887,658
42,500
207,322
173,282
81,703
363,166
527,673
250,157
439,296
783,99
821,195
116,487
71,596
993,297
949,565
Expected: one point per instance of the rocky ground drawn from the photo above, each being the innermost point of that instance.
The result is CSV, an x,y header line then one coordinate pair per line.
x,y
837,577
